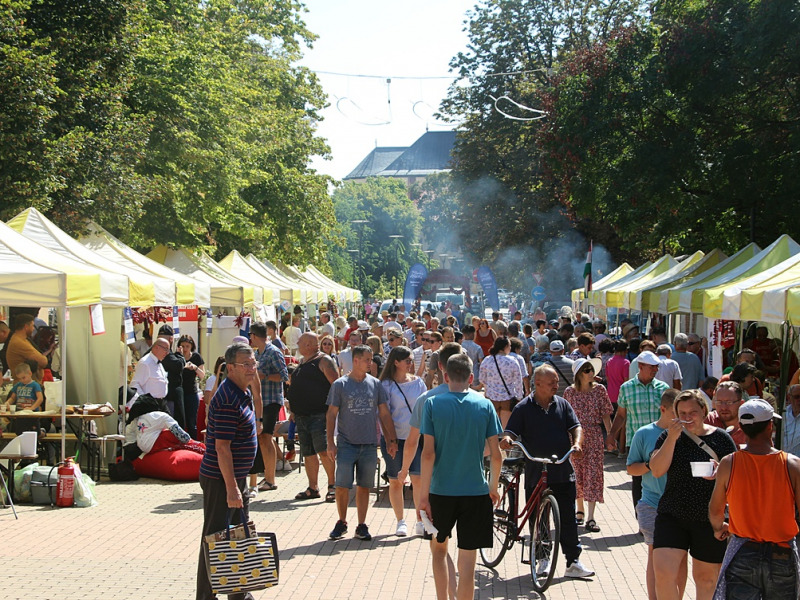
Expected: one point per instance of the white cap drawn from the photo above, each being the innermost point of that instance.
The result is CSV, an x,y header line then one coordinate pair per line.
x,y
648,358
756,411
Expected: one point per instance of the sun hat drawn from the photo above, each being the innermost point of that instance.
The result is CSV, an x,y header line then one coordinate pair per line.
x,y
596,363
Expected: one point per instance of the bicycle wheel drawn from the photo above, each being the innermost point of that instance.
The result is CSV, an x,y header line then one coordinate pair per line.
x,y
545,539
503,528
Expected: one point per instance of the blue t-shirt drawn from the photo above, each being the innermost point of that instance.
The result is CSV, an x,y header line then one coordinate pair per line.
x,y
26,394
642,446
416,414
544,433
460,424
358,403
230,417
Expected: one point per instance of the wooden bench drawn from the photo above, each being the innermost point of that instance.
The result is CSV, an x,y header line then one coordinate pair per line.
x,y
47,437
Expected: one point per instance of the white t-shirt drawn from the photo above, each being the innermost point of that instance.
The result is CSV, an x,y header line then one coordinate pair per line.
x,y
210,383
346,361
146,429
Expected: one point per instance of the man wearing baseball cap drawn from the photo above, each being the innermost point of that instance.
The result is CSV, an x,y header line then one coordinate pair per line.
x,y
562,365
760,561
638,404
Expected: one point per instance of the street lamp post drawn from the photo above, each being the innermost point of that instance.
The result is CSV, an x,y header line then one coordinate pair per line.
x,y
353,253
429,252
361,222
396,237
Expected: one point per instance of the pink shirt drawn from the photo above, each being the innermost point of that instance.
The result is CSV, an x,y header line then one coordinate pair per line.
x,y
616,374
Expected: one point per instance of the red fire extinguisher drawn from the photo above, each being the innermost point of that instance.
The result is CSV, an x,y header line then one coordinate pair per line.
x,y
65,490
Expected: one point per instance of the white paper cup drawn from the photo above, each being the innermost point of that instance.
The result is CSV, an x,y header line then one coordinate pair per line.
x,y
13,408
702,469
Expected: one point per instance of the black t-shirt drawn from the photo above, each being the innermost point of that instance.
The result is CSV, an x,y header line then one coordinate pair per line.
x,y
190,377
173,364
308,392
687,497
544,433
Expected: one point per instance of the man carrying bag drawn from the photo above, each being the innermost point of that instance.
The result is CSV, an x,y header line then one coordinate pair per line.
x,y
231,446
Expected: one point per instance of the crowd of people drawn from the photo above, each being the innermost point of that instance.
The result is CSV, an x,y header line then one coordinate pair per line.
x,y
440,399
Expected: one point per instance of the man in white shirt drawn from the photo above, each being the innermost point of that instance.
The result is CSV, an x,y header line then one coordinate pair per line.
x,y
669,372
326,328
391,324
345,357
791,421
150,377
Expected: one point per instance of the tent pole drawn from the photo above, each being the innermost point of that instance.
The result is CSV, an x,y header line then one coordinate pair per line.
x,y
63,342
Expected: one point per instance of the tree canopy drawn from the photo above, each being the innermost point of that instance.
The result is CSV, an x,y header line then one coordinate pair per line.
x,y
166,122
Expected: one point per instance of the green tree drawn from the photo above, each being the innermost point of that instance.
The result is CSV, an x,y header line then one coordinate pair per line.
x,y
387,210
682,134
515,48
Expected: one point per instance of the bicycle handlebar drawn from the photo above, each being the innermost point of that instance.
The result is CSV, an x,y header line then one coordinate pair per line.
x,y
554,460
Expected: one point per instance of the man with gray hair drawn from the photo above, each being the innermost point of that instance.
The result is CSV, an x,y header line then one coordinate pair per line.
x,y
231,446
326,327
669,372
691,368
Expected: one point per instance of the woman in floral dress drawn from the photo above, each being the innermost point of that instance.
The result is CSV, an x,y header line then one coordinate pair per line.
x,y
592,405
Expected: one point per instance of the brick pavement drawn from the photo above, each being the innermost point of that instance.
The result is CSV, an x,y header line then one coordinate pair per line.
x,y
142,542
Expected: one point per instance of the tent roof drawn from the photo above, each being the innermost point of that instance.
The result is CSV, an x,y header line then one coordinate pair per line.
x,y
188,291
679,298
618,273
318,292
712,292
793,305
634,292
762,297
226,290
61,281
298,289
351,294
651,299
594,294
613,294
143,288
237,265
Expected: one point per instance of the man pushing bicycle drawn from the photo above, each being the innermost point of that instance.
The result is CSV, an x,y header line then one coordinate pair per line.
x,y
547,425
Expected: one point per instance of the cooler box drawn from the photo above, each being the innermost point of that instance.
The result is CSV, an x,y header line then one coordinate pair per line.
x,y
43,485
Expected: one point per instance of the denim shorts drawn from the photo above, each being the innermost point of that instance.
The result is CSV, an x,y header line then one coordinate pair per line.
x,y
362,457
311,434
393,465
646,515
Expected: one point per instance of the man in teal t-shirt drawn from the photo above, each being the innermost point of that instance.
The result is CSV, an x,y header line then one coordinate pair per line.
x,y
457,426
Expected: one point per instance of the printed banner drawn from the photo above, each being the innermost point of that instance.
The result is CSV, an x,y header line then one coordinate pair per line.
x,y
489,285
176,321
417,275
130,336
96,318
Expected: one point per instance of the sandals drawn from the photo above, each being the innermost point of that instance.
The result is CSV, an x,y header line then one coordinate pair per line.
x,y
591,525
579,520
307,494
331,495
266,486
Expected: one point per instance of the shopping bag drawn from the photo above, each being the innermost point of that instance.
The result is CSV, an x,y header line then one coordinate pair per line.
x,y
239,559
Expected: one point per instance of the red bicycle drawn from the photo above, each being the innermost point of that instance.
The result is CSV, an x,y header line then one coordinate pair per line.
x,y
541,511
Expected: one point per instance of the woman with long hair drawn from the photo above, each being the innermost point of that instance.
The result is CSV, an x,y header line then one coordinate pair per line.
x,y
328,346
193,371
485,336
376,344
402,388
592,406
502,378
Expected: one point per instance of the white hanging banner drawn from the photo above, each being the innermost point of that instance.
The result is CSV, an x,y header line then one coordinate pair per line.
x,y
130,336
209,321
96,318
176,321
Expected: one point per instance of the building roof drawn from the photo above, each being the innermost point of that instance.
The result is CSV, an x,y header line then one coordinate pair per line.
x,y
429,154
376,161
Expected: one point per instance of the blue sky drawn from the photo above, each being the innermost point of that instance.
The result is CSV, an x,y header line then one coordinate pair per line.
x,y
414,38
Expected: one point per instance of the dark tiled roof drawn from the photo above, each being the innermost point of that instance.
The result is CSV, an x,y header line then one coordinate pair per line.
x,y
429,154
376,161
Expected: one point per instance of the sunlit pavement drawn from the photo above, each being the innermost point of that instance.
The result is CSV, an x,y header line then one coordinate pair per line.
x,y
142,541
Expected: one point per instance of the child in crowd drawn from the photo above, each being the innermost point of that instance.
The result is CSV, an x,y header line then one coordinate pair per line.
x,y
26,394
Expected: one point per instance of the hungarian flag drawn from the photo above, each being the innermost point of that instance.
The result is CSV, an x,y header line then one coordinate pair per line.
x,y
587,271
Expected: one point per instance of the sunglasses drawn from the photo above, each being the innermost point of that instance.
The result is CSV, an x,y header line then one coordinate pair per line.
x,y
426,339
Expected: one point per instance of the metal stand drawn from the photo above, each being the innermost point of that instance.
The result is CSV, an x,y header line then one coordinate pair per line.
x,y
8,494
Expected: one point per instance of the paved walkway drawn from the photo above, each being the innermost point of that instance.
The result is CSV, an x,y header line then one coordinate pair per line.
x,y
142,541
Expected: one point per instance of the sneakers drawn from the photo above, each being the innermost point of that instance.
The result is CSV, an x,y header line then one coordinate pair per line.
x,y
362,532
290,454
339,530
251,492
419,528
402,528
543,567
577,570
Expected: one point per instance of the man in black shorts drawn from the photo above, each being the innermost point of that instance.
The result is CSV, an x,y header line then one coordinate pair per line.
x,y
272,373
311,382
457,426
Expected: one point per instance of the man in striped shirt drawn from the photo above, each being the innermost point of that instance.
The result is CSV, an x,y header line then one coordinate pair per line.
x,y
230,449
